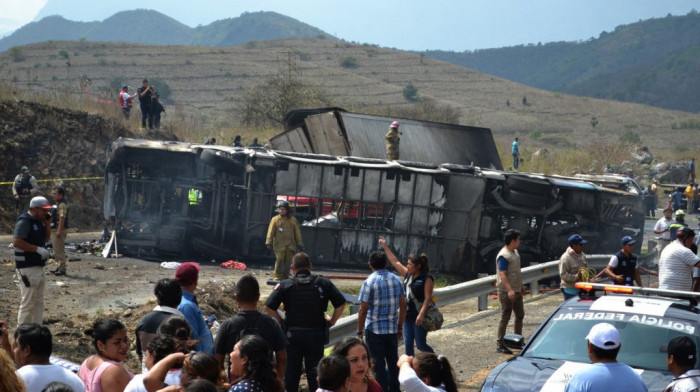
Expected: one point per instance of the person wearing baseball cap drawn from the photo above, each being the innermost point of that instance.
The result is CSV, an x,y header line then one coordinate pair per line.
x,y
677,262
187,274
662,230
681,357
32,231
392,141
570,265
605,373
623,268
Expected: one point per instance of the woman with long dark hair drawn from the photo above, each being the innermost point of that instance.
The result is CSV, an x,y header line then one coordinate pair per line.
x,y
419,294
356,352
426,372
251,360
195,366
104,372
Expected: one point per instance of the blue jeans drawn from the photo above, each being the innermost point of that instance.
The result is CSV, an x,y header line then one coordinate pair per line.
x,y
412,332
384,349
516,161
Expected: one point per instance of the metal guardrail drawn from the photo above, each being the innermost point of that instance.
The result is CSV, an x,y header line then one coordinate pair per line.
x,y
347,326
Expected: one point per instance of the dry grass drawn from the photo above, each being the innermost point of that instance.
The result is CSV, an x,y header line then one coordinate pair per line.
x,y
207,83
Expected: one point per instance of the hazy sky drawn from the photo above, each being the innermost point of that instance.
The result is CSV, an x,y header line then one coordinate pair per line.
x,y
403,24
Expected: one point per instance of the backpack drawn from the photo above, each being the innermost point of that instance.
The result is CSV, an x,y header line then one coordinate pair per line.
x,y
250,328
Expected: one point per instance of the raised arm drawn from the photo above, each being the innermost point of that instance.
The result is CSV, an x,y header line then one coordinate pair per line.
x,y
400,268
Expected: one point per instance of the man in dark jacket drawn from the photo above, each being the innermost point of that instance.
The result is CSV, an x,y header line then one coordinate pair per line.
x,y
32,231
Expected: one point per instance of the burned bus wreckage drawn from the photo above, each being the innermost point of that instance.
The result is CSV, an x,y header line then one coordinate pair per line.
x,y
216,201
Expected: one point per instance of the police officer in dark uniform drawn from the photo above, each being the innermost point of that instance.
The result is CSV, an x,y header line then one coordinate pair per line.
x,y
305,298
623,266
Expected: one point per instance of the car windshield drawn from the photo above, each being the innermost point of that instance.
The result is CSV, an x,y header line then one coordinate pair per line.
x,y
643,337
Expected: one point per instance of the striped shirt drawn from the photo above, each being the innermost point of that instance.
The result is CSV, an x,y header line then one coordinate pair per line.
x,y
676,267
382,291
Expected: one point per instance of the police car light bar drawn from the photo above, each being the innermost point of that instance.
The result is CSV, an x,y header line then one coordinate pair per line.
x,y
692,296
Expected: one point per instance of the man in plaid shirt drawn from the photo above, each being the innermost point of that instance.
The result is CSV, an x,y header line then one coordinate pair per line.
x,y
381,316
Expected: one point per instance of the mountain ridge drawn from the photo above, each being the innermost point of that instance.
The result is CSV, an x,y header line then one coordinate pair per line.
x,y
143,26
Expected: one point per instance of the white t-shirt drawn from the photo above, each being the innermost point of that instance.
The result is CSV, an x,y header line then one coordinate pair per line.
x,y
676,267
136,383
663,224
37,377
125,98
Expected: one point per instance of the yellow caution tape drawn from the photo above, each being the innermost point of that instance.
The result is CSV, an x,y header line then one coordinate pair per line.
x,y
58,179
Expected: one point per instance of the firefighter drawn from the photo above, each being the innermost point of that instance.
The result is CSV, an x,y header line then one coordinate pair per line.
x,y
392,141
284,238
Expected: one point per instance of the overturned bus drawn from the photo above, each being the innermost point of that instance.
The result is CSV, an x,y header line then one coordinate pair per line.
x,y
216,202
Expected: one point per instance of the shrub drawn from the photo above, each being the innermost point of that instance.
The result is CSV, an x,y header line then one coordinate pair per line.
x,y
63,53
630,137
410,92
536,134
348,62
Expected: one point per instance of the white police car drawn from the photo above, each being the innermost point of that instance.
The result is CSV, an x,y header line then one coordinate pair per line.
x,y
647,320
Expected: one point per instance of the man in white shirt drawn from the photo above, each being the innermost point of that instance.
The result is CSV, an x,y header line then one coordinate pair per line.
x,y
31,351
661,229
677,262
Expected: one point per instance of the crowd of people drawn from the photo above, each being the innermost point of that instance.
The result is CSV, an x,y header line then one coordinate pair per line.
x,y
269,351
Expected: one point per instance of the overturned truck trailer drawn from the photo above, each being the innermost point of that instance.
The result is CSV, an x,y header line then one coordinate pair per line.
x,y
216,201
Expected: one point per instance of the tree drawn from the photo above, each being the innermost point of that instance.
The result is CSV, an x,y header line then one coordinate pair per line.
x,y
17,54
266,104
410,92
594,121
63,53
162,87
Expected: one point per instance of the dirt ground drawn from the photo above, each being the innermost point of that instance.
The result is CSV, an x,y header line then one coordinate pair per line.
x,y
123,288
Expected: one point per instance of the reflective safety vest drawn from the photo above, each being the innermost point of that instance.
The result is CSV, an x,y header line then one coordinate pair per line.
x,y
195,196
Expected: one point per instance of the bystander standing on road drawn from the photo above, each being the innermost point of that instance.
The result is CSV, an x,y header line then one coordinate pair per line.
x,y
623,268
59,223
32,231
509,279
661,229
516,154
247,321
691,169
677,262
380,320
187,274
571,266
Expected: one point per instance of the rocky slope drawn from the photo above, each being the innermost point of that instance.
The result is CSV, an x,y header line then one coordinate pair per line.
x,y
58,146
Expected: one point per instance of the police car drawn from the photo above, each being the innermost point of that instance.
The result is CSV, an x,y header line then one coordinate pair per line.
x,y
646,319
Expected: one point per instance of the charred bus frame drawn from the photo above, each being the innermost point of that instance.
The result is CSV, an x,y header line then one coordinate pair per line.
x,y
216,202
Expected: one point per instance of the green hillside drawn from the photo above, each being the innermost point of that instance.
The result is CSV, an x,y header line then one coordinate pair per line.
x,y
648,62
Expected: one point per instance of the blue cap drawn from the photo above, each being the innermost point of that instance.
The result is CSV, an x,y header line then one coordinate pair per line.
x,y
577,239
627,240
